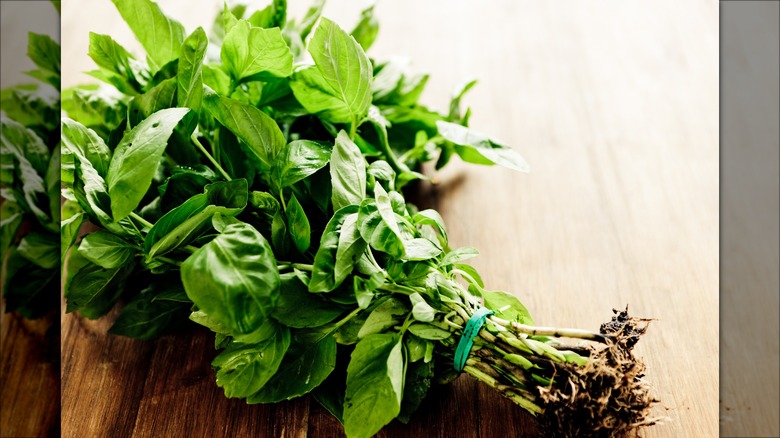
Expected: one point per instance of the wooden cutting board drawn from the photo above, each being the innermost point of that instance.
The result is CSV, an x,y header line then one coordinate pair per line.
x,y
614,105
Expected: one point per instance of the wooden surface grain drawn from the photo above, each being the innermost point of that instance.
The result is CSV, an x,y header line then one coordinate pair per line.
x,y
615,106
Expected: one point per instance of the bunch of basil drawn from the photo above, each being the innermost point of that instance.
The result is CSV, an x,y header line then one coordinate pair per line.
x,y
30,181
253,183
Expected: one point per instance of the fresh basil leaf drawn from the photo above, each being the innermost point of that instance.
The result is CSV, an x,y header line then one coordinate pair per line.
x,y
27,286
117,63
300,159
94,290
84,142
25,144
375,378
344,66
350,248
389,313
323,276
298,224
44,52
185,223
347,172
475,147
98,107
216,78
416,385
310,18
106,250
146,318
10,220
184,183
160,36
136,159
507,306
421,310
434,219
315,94
273,15
248,51
309,361
427,331
298,308
367,28
189,78
40,249
242,369
261,136
377,232
234,278
159,97
454,114
458,255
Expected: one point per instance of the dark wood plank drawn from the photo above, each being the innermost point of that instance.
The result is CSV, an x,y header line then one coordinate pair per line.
x,y
102,378
182,398
29,376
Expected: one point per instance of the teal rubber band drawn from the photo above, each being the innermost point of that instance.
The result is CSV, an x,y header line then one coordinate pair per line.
x,y
473,327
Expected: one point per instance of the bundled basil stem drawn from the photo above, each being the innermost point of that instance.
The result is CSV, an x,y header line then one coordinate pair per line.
x,y
254,183
30,181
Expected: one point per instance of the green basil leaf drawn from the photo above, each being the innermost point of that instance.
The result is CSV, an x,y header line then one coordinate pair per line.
x,y
416,385
27,287
323,277
84,142
310,18
160,36
421,310
94,290
40,249
375,379
159,97
136,159
475,147
347,173
189,78
454,114
350,248
116,62
298,224
185,223
309,361
248,51
315,94
10,221
344,66
273,15
99,107
44,52
298,308
106,250
367,28
25,144
427,331
388,314
377,232
242,369
458,255
146,318
261,136
507,306
300,159
234,278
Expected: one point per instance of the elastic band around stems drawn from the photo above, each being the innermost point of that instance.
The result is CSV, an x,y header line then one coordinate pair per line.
x,y
471,330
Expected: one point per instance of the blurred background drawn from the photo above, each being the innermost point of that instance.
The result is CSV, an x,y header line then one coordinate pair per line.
x,y
615,107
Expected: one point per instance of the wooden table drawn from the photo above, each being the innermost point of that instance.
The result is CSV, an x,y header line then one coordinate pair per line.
x,y
615,106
